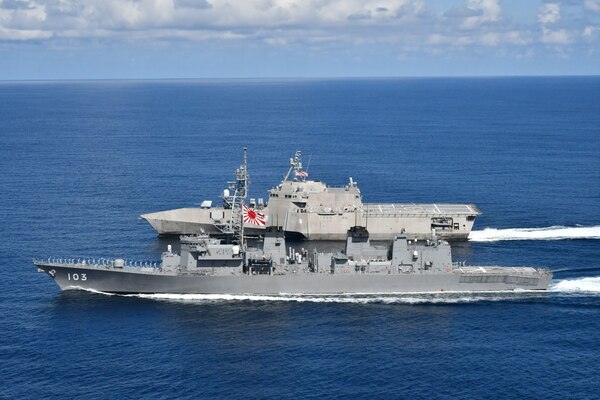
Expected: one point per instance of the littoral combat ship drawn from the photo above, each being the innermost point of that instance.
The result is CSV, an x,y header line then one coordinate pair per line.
x,y
208,265
311,210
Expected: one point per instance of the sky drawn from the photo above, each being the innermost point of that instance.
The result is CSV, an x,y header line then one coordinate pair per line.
x,y
180,39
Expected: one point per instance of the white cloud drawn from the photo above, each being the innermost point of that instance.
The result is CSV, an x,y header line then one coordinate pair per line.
x,y
560,36
589,33
22,15
549,13
314,24
498,38
592,5
484,11
22,35
488,39
516,38
127,18
437,39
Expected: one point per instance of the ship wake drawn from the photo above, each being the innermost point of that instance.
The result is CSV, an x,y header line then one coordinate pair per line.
x,y
404,298
548,233
589,285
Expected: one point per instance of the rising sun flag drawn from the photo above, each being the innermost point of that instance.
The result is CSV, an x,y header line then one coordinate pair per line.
x,y
253,217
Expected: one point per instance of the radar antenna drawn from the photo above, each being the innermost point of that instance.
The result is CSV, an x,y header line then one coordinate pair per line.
x,y
235,198
296,167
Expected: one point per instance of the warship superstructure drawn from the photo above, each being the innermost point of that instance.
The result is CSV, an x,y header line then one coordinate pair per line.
x,y
311,210
209,266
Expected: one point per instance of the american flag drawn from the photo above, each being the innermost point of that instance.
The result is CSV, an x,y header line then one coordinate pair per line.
x,y
253,217
303,174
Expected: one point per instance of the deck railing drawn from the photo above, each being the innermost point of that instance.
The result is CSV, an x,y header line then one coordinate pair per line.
x,y
96,262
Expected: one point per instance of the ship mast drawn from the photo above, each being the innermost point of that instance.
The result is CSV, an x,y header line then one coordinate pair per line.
x,y
296,167
237,194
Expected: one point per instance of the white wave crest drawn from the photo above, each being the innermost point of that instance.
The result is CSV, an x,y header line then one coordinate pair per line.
x,y
588,285
89,290
548,233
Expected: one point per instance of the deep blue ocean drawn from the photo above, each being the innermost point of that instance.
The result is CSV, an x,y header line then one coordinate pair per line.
x,y
80,161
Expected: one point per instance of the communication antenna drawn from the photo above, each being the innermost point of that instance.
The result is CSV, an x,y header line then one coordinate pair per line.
x,y
308,165
295,165
235,198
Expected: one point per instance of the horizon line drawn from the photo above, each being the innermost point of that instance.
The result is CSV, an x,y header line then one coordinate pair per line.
x,y
325,77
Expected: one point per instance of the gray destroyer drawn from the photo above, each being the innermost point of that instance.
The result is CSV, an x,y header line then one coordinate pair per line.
x,y
209,266
311,210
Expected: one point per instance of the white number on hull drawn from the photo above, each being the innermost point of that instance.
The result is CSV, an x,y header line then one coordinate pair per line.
x,y
76,277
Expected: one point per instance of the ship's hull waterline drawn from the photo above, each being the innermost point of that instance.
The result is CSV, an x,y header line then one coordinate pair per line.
x,y
125,282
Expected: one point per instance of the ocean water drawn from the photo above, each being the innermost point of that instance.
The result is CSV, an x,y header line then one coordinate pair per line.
x,y
81,160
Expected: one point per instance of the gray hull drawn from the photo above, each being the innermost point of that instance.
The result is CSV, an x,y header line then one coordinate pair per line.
x,y
123,281
416,220
312,210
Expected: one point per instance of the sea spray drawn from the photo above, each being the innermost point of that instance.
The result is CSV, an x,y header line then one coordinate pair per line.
x,y
548,233
586,285
411,298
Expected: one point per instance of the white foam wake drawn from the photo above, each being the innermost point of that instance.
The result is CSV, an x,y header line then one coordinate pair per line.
x,y
548,233
588,285
405,298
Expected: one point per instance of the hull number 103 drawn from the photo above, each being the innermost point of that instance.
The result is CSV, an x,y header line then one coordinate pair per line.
x,y
76,277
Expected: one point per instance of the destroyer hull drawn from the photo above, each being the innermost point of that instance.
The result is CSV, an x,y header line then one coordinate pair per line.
x,y
415,220
123,281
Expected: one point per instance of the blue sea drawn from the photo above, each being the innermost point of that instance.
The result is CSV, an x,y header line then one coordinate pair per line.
x,y
81,160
